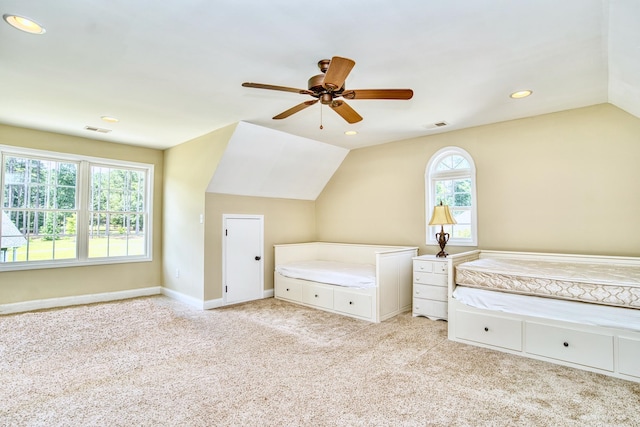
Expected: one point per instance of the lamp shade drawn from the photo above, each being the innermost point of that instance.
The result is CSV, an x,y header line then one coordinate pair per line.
x,y
441,215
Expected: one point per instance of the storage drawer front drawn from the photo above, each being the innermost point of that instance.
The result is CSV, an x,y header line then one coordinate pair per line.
x,y
440,267
583,348
423,266
430,279
317,295
352,303
430,308
291,291
629,356
493,330
438,293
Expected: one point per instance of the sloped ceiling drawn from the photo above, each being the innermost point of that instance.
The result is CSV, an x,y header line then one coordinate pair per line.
x,y
263,162
624,55
172,70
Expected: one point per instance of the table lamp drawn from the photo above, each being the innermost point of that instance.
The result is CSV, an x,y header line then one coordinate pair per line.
x,y
442,216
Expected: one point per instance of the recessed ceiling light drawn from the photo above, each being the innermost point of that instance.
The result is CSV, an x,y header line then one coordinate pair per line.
x,y
24,24
110,119
521,94
351,132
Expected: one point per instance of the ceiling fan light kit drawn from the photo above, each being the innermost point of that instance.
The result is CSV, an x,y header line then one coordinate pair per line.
x,y
329,85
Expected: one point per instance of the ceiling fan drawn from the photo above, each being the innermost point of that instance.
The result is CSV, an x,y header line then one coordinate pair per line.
x,y
329,86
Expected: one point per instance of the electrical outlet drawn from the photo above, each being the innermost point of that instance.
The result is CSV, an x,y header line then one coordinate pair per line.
x,y
177,272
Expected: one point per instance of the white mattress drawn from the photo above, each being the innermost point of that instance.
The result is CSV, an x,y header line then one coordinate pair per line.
x,y
331,272
608,284
548,308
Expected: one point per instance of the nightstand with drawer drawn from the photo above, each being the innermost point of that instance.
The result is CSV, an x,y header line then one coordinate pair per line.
x,y
430,287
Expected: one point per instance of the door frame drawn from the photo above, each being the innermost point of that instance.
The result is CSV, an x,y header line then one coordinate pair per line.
x,y
224,252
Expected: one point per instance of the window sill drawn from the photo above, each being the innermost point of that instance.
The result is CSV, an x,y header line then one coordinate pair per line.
x,y
18,266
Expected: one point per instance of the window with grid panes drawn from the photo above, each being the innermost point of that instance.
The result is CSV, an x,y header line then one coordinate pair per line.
x,y
117,212
450,179
71,210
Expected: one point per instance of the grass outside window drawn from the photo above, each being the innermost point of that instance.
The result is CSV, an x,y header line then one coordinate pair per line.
x,y
65,248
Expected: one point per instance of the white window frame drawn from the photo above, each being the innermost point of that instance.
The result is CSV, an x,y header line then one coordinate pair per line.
x,y
432,176
83,200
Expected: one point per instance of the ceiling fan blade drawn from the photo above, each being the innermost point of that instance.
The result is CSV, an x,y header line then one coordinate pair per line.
x,y
295,109
339,69
378,94
347,113
273,87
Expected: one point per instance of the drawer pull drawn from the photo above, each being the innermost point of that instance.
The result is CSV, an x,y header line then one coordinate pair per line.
x,y
287,289
316,295
486,329
350,302
566,344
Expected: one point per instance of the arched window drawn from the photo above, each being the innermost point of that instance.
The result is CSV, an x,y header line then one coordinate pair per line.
x,y
450,178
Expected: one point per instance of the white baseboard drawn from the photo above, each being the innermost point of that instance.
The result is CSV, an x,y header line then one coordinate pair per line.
x,y
179,296
216,303
213,303
40,304
195,302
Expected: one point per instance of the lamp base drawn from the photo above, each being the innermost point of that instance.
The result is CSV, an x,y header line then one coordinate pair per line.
x,y
443,238
442,254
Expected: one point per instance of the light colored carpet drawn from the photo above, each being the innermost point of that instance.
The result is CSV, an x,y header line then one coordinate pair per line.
x,y
155,362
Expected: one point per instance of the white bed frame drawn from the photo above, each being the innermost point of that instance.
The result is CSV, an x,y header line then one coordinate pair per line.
x,y
609,351
391,295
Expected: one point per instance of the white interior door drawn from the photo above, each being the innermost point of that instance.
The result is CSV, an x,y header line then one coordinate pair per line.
x,y
243,258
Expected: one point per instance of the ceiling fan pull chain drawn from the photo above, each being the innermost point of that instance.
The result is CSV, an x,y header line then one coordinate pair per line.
x,y
321,117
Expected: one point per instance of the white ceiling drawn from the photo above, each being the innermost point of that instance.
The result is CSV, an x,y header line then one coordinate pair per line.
x,y
172,70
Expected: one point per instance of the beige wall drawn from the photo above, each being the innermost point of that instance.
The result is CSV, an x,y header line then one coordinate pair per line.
x,y
563,182
19,286
285,221
188,169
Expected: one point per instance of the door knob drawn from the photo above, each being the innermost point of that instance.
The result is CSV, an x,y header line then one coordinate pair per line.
x,y
258,258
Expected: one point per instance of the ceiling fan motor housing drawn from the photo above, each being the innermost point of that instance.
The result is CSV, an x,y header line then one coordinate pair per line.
x,y
316,85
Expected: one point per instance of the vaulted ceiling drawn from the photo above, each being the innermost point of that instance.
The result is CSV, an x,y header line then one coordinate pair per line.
x,y
171,71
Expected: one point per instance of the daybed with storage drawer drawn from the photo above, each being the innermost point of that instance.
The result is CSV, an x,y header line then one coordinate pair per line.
x,y
576,310
368,282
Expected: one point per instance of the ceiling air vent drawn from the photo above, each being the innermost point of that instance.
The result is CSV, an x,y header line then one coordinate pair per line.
x,y
95,129
437,125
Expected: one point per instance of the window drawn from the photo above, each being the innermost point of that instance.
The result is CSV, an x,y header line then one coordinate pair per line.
x,y
450,178
71,210
117,212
